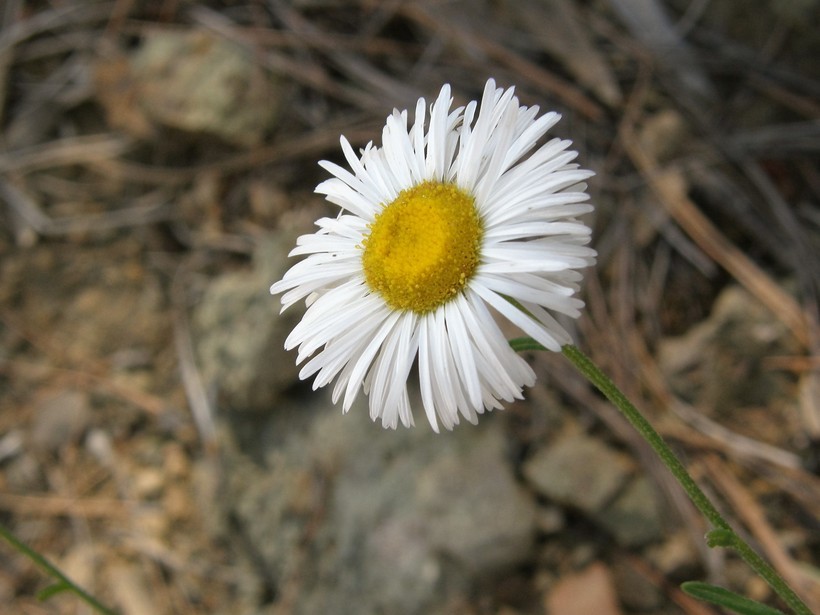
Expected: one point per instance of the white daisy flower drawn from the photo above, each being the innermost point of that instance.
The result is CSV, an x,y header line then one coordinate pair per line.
x,y
449,224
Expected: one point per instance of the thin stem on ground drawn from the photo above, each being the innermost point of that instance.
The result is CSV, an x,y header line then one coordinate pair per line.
x,y
63,582
723,535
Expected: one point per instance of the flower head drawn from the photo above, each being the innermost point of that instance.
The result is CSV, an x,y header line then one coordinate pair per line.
x,y
450,220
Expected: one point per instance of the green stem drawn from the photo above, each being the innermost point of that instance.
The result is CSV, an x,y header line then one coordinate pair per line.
x,y
723,535
63,582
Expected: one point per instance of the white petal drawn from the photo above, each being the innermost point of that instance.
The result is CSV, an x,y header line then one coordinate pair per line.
x,y
503,285
521,320
462,351
428,398
435,167
364,360
443,372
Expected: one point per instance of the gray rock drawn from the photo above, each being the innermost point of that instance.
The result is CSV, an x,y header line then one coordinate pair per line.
x,y
550,519
578,471
634,517
12,443
345,517
240,335
200,82
468,488
60,420
635,590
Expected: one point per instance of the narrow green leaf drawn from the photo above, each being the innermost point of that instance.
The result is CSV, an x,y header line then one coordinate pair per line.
x,y
727,599
52,590
720,538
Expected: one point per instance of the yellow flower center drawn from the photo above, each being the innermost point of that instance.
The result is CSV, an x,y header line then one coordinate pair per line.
x,y
423,247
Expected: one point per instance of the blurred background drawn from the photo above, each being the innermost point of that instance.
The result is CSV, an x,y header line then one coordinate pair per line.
x,y
157,161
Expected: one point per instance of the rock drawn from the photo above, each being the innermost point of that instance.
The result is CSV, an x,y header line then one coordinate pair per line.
x,y
194,81
578,471
483,518
675,557
12,444
98,443
240,335
130,587
590,591
636,591
148,483
550,519
24,474
60,420
634,517
348,518
81,564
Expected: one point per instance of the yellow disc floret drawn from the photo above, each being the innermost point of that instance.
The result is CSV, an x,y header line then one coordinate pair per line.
x,y
423,247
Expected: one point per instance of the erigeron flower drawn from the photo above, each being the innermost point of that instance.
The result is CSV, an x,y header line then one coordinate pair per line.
x,y
450,224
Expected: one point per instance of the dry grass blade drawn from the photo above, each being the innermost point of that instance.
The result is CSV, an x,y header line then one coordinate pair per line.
x,y
649,22
91,375
544,80
198,401
739,445
670,187
150,209
384,87
307,145
57,18
57,506
86,149
309,73
560,27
